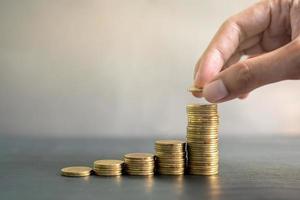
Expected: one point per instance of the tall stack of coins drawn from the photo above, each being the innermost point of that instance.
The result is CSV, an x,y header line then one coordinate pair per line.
x,y
170,156
139,164
202,139
108,167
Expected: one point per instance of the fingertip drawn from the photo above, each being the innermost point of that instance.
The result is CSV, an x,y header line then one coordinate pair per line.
x,y
215,91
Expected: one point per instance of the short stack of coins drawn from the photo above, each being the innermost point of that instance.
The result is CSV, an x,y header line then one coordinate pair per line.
x,y
108,167
139,164
202,139
76,171
170,157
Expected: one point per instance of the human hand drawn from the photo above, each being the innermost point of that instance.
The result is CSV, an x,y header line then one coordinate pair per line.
x,y
268,34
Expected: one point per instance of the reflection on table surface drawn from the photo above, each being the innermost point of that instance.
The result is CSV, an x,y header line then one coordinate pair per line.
x,y
251,168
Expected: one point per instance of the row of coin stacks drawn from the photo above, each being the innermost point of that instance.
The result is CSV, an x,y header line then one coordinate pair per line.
x,y
198,156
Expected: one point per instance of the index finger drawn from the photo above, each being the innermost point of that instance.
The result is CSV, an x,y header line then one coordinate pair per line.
x,y
231,34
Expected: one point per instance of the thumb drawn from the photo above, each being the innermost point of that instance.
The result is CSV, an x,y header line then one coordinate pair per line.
x,y
245,76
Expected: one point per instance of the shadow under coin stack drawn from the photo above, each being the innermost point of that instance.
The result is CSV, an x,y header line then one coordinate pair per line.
x,y
170,156
108,167
139,164
202,139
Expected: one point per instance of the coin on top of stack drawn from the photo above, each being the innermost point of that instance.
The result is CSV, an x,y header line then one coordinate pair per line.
x,y
108,167
76,171
139,164
202,139
170,157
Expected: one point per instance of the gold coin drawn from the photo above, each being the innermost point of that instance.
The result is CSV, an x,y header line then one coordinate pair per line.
x,y
103,174
170,142
195,89
172,164
170,155
200,128
203,157
174,169
203,160
139,166
130,162
171,173
170,151
164,152
76,171
139,156
200,111
199,146
167,172
108,173
108,162
202,105
141,173
203,168
203,135
203,117
171,160
139,170
203,124
203,154
137,161
170,148
203,113
203,151
203,173
203,163
108,169
200,138
197,171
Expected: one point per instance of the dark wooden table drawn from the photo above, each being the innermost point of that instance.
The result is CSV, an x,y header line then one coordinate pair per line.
x,y
250,168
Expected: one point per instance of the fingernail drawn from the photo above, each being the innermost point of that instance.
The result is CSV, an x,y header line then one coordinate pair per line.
x,y
215,91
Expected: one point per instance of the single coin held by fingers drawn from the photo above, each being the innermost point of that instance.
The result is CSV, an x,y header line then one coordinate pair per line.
x,y
194,89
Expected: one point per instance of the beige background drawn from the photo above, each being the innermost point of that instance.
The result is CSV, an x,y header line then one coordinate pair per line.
x,y
120,68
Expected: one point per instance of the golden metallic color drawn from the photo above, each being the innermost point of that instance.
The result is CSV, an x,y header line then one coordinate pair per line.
x,y
195,89
202,139
76,171
170,157
108,167
140,164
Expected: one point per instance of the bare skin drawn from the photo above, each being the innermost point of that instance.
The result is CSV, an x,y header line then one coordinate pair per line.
x,y
268,33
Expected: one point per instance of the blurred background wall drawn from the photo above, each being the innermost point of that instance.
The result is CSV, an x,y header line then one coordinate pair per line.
x,y
120,68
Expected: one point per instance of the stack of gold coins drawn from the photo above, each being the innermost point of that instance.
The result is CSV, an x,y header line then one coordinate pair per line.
x,y
76,171
108,167
202,139
170,156
139,164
